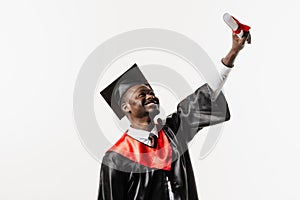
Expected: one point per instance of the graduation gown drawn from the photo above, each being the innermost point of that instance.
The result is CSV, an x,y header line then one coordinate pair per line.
x,y
135,176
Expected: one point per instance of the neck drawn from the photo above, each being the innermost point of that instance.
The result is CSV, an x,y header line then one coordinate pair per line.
x,y
143,124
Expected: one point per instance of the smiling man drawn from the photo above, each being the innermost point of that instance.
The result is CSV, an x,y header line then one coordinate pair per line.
x,y
142,106
151,159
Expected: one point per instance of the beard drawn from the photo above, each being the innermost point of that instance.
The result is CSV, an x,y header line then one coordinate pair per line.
x,y
154,112
152,107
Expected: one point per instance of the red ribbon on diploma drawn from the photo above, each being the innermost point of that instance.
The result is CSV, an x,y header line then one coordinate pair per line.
x,y
242,27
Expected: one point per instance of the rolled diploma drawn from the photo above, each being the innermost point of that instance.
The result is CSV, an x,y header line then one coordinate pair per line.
x,y
232,23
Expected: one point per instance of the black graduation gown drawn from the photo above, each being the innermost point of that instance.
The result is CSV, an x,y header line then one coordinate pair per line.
x,y
123,179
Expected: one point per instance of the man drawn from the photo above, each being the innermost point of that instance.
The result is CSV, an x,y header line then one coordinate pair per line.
x,y
151,160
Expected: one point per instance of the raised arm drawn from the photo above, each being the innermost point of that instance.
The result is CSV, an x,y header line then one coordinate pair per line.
x,y
228,63
203,107
237,45
197,111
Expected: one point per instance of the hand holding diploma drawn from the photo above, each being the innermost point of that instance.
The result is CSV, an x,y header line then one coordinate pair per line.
x,y
237,27
240,35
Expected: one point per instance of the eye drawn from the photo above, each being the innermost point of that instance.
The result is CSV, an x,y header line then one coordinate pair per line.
x,y
142,94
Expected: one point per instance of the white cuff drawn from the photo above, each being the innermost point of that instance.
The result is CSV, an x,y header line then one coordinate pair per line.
x,y
219,81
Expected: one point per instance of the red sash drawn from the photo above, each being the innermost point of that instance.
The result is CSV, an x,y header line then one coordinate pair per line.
x,y
159,157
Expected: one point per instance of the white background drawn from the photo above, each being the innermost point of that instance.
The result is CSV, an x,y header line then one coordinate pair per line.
x,y
44,43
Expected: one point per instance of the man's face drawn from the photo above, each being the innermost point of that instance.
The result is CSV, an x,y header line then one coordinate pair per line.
x,y
141,101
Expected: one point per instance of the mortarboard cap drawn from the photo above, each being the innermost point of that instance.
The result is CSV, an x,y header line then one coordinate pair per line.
x,y
114,92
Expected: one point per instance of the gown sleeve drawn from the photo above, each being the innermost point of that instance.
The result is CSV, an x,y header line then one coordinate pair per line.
x,y
113,184
197,111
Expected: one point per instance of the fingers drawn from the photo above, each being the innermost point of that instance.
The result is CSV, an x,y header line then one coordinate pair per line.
x,y
235,37
245,38
239,43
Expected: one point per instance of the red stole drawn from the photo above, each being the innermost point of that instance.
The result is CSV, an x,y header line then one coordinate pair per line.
x,y
159,157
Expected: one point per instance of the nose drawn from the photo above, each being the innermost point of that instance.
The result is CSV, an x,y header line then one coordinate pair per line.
x,y
152,97
149,96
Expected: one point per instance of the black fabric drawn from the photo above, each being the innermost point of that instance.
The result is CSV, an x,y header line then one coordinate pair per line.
x,y
120,177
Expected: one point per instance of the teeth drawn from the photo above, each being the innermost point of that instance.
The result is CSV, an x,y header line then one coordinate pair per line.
x,y
150,102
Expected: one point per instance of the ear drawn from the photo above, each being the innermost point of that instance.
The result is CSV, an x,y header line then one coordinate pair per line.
x,y
125,107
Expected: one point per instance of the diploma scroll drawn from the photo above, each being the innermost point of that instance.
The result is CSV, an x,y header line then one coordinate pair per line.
x,y
237,27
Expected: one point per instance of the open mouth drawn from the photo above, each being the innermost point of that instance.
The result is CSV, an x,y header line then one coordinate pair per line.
x,y
151,102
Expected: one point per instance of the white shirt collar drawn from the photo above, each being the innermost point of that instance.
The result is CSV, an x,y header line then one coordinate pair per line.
x,y
142,135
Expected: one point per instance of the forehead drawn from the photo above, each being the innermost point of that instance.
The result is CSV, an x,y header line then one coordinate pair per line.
x,y
138,88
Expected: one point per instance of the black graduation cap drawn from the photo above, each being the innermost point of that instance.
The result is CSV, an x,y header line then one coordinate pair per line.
x,y
114,92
